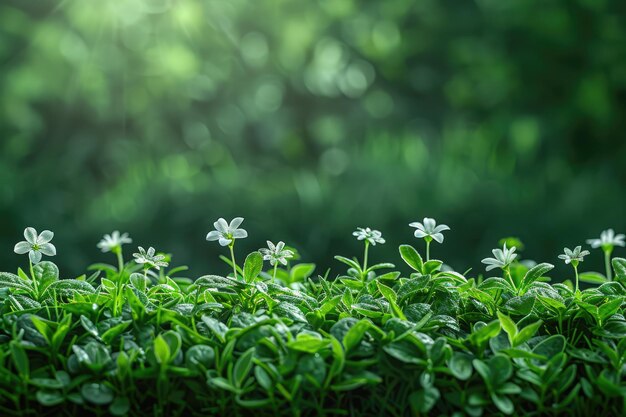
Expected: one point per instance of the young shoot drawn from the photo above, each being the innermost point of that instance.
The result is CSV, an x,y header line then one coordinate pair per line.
x,y
429,231
502,259
113,243
607,242
276,254
226,234
574,257
370,237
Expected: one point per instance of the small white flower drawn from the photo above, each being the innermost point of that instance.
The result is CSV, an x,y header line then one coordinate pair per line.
x,y
372,236
503,258
276,253
608,239
226,233
36,245
429,229
113,241
574,256
150,258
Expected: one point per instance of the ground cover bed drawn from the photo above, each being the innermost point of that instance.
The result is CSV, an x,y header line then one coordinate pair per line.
x,y
275,337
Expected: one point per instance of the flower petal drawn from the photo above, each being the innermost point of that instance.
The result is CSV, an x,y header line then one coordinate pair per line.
x,y
45,237
221,225
48,249
429,224
438,237
35,256
22,247
419,233
235,223
213,235
224,241
239,234
30,235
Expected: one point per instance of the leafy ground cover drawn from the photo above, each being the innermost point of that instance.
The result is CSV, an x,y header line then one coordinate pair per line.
x,y
273,338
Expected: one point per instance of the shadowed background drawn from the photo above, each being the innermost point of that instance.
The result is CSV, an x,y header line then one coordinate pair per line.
x,y
310,118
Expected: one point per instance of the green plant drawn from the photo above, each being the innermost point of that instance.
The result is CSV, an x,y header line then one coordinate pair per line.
x,y
377,340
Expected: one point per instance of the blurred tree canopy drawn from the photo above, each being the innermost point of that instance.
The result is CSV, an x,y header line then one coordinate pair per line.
x,y
310,118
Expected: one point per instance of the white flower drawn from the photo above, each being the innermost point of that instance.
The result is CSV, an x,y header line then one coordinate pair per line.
x,y
36,245
276,253
372,236
113,241
227,233
429,229
503,258
574,256
150,258
608,239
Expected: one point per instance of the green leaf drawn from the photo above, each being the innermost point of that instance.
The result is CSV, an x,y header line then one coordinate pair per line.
x,y
89,326
592,278
43,326
423,400
98,394
619,266
509,326
301,272
503,403
606,310
348,262
49,398
252,266
20,359
526,333
200,356
8,280
306,342
412,257
460,364
120,406
46,272
243,366
535,273
161,350
500,369
354,335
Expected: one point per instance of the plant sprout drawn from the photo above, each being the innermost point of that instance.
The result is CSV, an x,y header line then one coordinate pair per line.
x,y
370,237
226,234
113,243
608,240
429,231
276,254
574,257
502,259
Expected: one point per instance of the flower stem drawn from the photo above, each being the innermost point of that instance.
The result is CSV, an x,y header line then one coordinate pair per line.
x,y
32,276
607,264
275,268
232,257
508,273
367,246
120,261
576,272
427,250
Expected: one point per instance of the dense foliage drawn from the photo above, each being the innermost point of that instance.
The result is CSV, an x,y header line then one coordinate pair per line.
x,y
297,113
139,338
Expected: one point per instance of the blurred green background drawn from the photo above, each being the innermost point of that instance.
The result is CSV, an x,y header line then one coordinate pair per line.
x,y
310,118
